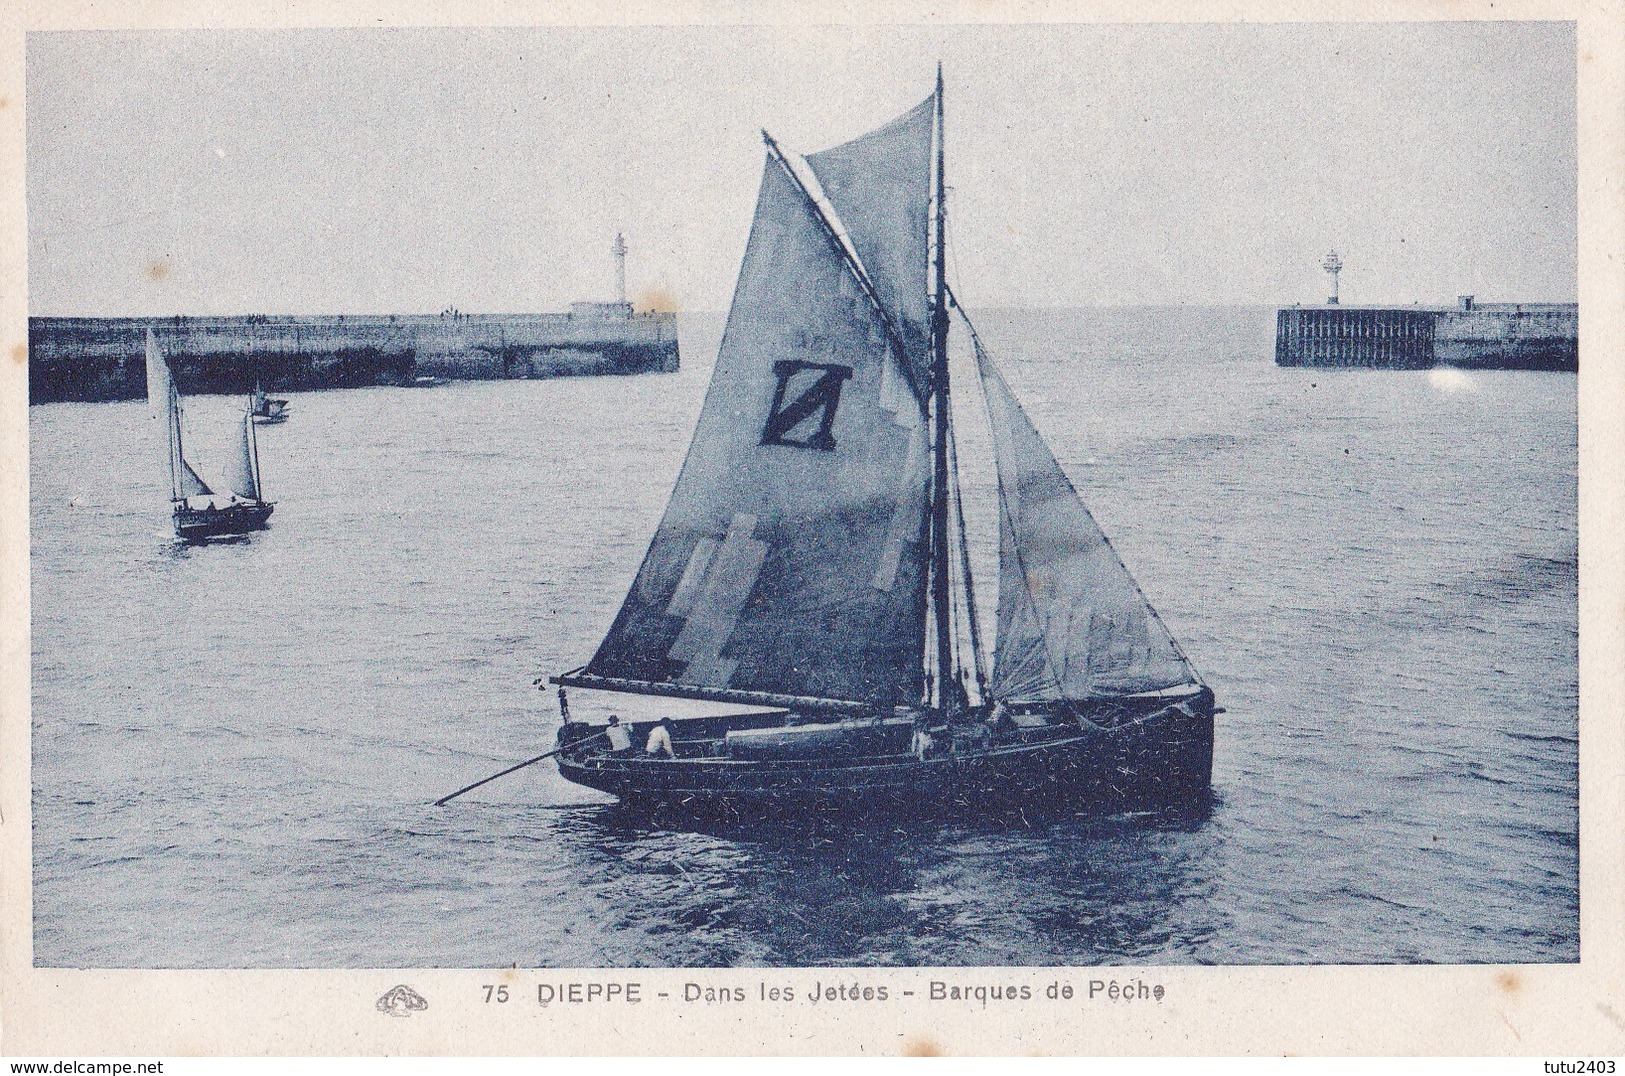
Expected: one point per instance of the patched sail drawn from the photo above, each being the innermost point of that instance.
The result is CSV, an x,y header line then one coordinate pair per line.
x,y
791,556
240,476
880,187
164,401
1072,623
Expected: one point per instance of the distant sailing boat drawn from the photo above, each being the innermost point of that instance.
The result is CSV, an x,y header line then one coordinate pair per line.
x,y
266,410
201,513
812,559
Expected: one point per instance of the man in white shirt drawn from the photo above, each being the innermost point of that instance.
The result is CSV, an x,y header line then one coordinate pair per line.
x,y
660,740
923,746
619,739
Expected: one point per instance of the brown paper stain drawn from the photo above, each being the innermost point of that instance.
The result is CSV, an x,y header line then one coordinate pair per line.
x,y
656,299
158,270
19,353
4,101
921,1048
1509,982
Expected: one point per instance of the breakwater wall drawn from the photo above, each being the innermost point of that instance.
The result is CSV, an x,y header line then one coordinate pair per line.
x,y
105,358
1484,336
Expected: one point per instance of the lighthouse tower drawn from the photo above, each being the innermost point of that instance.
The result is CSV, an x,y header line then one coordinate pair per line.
x,y
619,250
617,308
1333,265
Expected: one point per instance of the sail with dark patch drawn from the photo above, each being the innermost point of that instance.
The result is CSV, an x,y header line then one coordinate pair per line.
x,y
1072,622
807,558
880,187
791,558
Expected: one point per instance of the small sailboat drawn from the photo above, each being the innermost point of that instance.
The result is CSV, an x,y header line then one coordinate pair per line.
x,y
201,513
266,410
812,562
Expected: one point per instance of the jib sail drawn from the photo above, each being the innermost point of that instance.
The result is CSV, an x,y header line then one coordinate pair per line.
x,y
1073,623
241,476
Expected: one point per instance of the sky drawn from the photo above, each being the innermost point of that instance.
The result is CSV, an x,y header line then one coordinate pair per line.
x,y
405,171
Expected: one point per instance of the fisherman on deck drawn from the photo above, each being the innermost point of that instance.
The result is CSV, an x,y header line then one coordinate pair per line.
x,y
660,740
1003,725
619,739
923,745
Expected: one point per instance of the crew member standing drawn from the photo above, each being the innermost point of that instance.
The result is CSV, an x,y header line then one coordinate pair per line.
x,y
619,739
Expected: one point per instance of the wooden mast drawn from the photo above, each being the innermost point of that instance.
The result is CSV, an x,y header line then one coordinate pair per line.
x,y
177,449
254,447
941,599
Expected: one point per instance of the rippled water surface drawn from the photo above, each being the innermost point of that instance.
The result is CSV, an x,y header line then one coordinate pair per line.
x,y
234,745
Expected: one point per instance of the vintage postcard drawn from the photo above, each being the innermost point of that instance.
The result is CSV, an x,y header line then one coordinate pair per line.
x,y
713,529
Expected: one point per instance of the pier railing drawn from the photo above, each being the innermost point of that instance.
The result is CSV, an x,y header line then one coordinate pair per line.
x,y
1348,336
1501,336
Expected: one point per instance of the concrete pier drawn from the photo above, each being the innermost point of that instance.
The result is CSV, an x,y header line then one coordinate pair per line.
x,y
1509,336
1485,336
104,358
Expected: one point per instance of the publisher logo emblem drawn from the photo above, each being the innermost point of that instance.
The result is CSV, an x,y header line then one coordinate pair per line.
x,y
402,1000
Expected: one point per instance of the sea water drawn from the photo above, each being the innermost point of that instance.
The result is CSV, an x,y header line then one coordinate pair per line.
x,y
235,746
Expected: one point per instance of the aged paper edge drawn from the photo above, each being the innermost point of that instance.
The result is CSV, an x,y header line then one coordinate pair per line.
x,y
1528,1009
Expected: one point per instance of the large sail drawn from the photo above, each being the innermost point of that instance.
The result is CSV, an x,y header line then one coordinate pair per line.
x,y
790,560
880,187
161,404
1072,621
164,401
240,476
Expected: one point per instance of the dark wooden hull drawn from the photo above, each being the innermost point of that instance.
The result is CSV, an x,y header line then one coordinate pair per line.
x,y
270,412
192,525
1163,757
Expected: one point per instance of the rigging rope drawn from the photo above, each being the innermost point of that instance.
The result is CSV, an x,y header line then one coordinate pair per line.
x,y
978,653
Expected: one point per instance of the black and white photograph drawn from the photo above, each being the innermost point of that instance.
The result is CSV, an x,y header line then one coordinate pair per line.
x,y
771,495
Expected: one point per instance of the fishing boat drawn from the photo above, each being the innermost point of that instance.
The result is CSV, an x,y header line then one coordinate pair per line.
x,y
266,410
812,562
200,513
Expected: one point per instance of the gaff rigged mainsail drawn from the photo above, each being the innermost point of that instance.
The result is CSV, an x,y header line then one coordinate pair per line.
x,y
164,402
791,558
1073,623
